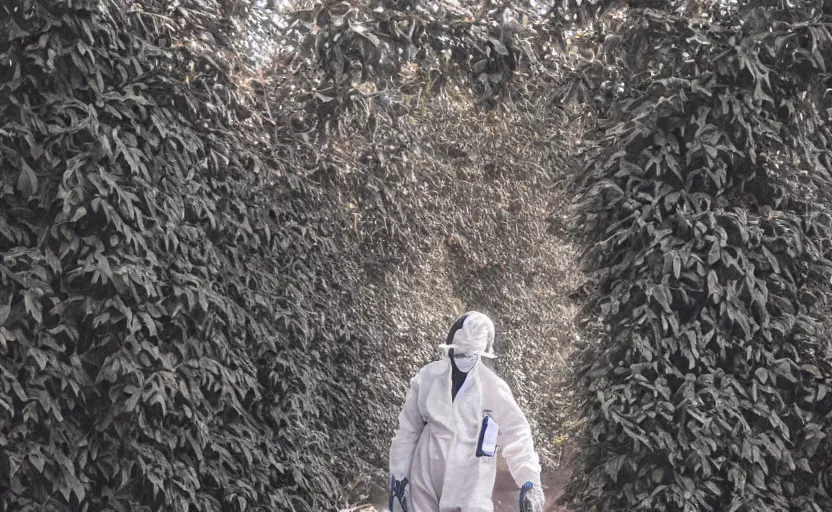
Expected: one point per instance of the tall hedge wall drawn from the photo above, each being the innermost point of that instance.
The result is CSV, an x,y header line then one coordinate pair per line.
x,y
169,338
704,208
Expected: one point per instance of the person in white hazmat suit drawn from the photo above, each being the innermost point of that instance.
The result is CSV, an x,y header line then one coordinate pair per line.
x,y
457,417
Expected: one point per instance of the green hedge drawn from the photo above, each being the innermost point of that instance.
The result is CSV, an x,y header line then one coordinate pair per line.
x,y
166,324
703,209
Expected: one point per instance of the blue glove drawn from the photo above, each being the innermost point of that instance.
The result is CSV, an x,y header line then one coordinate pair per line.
x,y
397,494
532,499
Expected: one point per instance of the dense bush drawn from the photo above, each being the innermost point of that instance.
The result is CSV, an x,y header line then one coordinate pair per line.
x,y
202,266
704,211
169,327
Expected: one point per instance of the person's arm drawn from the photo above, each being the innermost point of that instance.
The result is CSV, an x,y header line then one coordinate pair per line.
x,y
516,441
407,436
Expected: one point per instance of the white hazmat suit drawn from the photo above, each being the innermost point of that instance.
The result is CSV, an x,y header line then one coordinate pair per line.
x,y
443,445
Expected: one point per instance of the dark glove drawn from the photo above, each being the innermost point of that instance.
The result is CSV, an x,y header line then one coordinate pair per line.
x,y
534,501
398,500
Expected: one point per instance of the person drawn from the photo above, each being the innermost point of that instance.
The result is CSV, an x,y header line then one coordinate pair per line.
x,y
457,417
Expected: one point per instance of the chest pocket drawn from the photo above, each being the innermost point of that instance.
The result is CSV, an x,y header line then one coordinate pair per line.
x,y
487,442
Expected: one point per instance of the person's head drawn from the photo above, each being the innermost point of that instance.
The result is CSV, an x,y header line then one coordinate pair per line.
x,y
470,337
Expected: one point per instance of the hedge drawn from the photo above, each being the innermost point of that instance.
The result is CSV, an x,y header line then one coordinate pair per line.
x,y
704,212
167,330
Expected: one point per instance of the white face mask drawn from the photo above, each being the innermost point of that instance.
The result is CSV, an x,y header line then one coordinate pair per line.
x,y
465,363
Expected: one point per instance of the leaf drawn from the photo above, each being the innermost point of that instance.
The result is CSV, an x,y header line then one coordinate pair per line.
x,y
714,253
372,38
8,407
677,265
762,374
37,461
149,322
498,46
772,259
714,288
130,404
135,163
78,489
663,297
823,389
104,266
5,309
79,214
195,446
158,398
18,390
27,181
714,488
33,306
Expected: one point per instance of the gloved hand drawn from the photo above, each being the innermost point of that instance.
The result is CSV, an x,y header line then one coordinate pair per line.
x,y
535,501
398,495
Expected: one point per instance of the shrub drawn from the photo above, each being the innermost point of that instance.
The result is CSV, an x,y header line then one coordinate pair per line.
x,y
703,210
166,321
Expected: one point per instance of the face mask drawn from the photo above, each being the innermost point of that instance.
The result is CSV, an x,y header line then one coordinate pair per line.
x,y
465,363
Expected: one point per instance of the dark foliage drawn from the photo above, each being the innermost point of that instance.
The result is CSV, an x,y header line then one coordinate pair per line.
x,y
363,50
704,210
169,327
403,133
191,252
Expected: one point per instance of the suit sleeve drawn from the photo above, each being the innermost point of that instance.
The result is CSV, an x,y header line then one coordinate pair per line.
x,y
516,441
411,424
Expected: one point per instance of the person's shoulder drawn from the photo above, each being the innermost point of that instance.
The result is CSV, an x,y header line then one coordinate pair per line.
x,y
433,368
428,373
488,373
490,376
